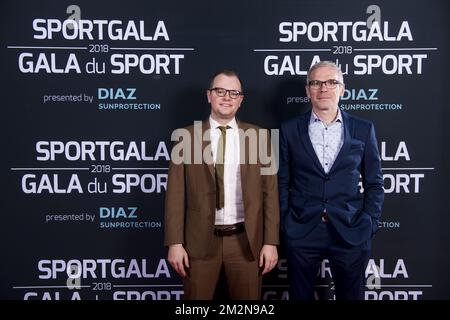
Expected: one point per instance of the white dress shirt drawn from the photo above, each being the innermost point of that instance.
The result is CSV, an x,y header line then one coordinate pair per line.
x,y
233,210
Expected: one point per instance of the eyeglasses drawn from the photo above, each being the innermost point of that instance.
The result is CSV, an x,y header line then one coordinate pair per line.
x,y
221,92
329,84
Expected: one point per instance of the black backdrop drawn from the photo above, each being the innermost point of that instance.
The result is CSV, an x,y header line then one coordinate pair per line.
x,y
54,223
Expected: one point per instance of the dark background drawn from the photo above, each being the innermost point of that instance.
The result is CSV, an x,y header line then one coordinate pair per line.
x,y
224,36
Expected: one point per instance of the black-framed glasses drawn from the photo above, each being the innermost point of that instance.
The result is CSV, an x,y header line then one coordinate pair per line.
x,y
329,84
221,92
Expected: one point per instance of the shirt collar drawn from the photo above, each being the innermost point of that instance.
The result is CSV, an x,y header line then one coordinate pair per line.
x,y
315,118
214,124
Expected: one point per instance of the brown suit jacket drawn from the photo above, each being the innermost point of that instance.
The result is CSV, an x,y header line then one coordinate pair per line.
x,y
191,200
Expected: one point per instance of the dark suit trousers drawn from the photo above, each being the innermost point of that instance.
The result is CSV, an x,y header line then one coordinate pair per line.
x,y
241,271
347,264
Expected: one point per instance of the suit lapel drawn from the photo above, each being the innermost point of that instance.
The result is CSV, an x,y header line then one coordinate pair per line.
x,y
245,161
306,140
348,132
206,143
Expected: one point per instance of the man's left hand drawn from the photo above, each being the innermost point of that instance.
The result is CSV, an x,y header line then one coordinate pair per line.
x,y
268,258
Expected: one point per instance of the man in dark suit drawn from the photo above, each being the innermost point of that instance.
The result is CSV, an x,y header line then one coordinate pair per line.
x,y
323,154
221,208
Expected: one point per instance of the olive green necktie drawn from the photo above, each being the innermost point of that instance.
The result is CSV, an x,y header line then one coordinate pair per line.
x,y
220,159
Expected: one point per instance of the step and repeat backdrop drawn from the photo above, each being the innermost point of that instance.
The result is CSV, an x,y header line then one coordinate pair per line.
x,y
92,90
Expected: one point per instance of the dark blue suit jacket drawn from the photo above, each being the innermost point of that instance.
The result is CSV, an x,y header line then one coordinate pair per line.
x,y
306,190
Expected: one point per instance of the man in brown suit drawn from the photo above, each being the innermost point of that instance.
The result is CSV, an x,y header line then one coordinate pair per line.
x,y
221,208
